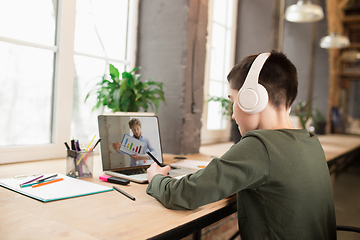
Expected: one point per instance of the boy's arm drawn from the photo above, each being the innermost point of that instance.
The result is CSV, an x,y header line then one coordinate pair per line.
x,y
243,166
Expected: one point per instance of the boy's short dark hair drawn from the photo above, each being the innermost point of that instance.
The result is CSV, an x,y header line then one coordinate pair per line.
x,y
133,122
278,76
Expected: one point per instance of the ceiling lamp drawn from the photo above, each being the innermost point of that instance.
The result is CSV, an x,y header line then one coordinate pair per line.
x,y
304,11
334,40
350,56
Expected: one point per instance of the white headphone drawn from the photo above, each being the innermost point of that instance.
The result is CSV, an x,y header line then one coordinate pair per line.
x,y
252,97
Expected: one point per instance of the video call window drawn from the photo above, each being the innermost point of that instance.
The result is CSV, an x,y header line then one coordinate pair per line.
x,y
126,139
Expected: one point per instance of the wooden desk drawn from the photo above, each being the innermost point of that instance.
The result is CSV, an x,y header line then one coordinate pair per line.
x,y
337,145
110,215
340,150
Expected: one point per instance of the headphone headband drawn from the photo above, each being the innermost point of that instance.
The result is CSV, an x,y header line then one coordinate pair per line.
x,y
252,78
253,97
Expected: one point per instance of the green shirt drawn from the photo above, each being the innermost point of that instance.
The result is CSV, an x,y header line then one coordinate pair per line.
x,y
281,180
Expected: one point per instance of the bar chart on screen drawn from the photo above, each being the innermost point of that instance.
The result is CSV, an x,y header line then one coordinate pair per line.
x,y
131,145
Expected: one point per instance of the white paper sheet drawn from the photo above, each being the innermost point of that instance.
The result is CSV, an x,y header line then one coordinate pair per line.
x,y
192,164
67,188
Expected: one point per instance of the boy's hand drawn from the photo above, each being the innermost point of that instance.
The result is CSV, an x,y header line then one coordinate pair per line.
x,y
156,169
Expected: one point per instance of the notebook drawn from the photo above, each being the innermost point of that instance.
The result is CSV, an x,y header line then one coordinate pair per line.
x,y
67,188
125,139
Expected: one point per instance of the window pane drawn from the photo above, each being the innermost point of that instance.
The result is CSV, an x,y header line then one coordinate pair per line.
x,y
88,72
220,61
227,56
226,89
26,80
101,30
224,123
101,27
214,117
215,88
217,52
219,11
230,5
26,20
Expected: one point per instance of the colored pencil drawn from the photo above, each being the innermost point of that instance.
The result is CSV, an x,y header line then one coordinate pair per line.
x,y
32,180
45,183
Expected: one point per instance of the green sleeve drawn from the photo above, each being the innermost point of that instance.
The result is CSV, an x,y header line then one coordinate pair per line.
x,y
245,165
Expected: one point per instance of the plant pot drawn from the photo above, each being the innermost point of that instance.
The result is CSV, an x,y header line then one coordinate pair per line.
x,y
235,133
320,128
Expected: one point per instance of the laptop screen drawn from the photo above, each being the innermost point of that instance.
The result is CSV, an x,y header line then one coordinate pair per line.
x,y
126,139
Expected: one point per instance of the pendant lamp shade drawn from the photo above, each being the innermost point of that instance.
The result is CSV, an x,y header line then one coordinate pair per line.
x,y
350,56
334,40
304,11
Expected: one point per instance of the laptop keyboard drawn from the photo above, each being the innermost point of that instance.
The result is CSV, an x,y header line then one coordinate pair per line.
x,y
132,171
137,170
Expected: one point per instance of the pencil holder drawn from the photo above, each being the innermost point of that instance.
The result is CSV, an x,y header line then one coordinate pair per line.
x,y
79,164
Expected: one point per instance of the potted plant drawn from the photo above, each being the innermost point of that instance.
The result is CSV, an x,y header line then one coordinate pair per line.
x,y
127,94
227,111
226,106
319,121
303,112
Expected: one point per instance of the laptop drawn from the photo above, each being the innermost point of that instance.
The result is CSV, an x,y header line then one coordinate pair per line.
x,y
125,139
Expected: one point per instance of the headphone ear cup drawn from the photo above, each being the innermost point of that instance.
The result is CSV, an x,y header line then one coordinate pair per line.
x,y
251,101
247,99
263,99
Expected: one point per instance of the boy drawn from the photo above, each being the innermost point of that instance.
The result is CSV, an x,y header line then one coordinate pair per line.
x,y
278,173
138,159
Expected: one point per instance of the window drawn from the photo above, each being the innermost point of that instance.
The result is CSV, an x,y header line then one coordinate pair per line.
x,y
101,37
26,83
45,73
220,60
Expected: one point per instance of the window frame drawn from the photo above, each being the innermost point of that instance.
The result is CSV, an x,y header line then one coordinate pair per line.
x,y
63,81
223,135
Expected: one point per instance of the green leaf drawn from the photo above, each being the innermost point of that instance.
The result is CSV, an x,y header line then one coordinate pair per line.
x,y
226,105
137,77
114,72
135,68
139,86
138,96
116,97
123,85
150,83
125,101
128,93
126,75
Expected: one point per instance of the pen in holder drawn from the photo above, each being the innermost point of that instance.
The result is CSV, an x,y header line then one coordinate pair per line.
x,y
79,164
